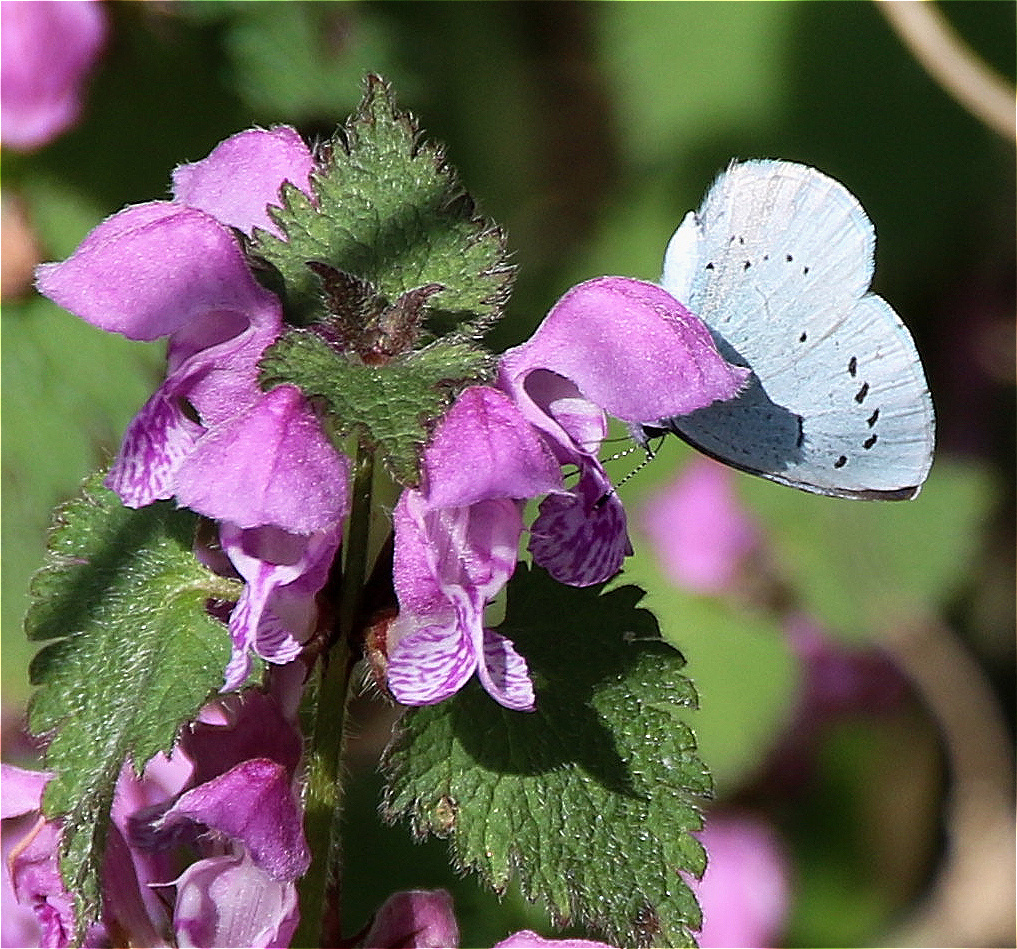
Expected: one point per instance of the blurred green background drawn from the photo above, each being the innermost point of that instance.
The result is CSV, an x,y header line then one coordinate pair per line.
x,y
587,130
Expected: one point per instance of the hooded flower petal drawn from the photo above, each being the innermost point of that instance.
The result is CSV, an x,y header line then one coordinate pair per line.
x,y
253,803
504,457
261,159
230,901
48,50
414,919
154,268
612,345
630,348
271,464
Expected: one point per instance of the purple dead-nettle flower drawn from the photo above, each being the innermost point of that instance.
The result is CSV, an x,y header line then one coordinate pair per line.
x,y
414,919
282,574
610,346
48,51
253,460
456,545
746,890
30,849
225,798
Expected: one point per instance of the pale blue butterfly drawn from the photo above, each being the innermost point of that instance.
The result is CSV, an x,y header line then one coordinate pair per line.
x,y
777,263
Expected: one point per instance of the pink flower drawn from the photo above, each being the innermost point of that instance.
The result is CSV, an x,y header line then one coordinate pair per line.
x,y
30,849
225,798
699,531
424,919
527,939
609,346
255,461
48,50
456,546
745,893
414,919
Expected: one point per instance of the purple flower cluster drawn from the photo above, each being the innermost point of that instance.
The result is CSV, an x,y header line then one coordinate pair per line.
x,y
256,462
457,537
259,464
227,794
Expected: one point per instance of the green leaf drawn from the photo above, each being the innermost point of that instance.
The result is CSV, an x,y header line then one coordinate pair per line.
x,y
591,798
389,406
135,655
388,210
745,671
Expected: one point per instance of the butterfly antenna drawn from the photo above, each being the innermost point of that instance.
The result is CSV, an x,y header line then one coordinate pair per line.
x,y
650,455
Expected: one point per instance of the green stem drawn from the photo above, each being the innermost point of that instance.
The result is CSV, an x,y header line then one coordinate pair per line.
x,y
319,889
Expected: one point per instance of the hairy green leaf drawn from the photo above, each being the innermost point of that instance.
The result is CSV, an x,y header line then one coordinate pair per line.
x,y
389,407
591,798
389,211
135,654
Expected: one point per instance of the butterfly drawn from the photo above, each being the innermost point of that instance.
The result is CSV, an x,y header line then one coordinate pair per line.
x,y
777,262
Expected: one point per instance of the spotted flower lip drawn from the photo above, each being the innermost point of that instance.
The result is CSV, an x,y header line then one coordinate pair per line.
x,y
610,346
456,545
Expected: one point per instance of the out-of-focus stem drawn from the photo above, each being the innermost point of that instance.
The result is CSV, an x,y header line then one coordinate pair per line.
x,y
945,56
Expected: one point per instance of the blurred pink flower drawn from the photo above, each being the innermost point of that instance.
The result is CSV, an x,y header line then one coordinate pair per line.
x,y
47,51
425,919
745,892
415,919
226,798
698,528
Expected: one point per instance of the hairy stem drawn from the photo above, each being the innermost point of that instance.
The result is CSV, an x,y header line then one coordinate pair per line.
x,y
320,920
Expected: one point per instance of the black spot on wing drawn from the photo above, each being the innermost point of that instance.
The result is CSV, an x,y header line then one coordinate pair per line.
x,y
840,462
862,393
871,420
853,367
869,442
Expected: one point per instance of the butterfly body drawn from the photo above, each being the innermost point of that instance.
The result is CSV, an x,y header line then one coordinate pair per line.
x,y
778,263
